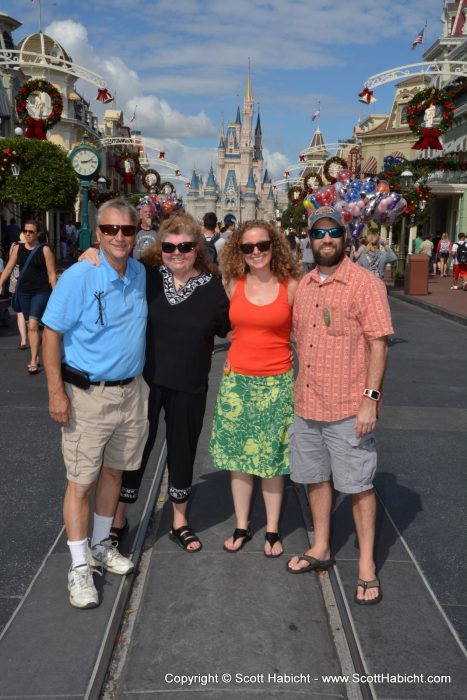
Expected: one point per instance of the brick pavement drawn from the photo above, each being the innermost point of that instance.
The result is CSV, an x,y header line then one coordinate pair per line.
x,y
440,299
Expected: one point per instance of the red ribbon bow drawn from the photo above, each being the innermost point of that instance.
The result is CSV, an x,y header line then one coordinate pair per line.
x,y
103,95
429,139
35,129
366,96
161,154
302,158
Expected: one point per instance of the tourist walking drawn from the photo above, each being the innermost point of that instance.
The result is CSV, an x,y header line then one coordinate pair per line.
x,y
94,345
443,251
254,408
341,321
375,254
37,278
459,253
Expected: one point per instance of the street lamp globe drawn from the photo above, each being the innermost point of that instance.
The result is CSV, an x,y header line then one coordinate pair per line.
x,y
102,184
406,178
18,131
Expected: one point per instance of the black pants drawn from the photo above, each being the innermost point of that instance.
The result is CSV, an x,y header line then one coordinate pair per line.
x,y
184,415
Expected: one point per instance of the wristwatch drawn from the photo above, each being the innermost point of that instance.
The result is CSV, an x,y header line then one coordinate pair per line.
x,y
372,394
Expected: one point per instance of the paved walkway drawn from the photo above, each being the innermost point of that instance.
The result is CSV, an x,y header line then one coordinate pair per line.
x,y
441,299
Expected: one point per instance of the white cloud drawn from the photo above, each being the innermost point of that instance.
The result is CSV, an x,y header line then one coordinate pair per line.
x,y
155,116
275,162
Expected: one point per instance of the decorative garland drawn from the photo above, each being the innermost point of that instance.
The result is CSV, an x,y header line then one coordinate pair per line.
x,y
98,198
327,167
166,188
156,185
296,194
7,158
37,127
312,181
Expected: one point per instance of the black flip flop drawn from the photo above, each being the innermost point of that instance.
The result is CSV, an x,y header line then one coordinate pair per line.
x,y
313,564
272,538
116,533
238,533
374,583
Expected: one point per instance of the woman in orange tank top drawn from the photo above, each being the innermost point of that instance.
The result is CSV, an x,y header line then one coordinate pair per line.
x,y
254,408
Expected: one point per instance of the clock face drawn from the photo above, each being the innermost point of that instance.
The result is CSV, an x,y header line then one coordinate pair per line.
x,y
85,162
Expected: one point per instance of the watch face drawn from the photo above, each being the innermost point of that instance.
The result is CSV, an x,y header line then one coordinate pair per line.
x,y
85,162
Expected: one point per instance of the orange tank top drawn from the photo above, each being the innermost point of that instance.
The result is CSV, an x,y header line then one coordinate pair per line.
x,y
261,334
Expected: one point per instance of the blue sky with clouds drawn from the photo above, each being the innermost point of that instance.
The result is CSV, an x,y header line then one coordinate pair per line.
x,y
184,63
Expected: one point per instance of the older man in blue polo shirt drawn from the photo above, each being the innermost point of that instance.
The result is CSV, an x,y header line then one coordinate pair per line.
x,y
94,351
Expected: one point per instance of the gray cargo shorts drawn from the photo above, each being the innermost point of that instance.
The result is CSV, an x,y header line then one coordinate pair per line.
x,y
320,450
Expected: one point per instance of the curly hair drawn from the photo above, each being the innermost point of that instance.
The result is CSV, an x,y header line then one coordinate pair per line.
x,y
179,224
232,260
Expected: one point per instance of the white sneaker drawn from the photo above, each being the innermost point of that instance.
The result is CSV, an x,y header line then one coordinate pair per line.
x,y
83,593
106,554
454,286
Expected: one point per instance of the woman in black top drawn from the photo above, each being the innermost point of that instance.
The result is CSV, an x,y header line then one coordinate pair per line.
x,y
187,307
35,284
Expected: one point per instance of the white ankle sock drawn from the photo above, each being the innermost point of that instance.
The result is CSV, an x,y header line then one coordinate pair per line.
x,y
79,552
101,530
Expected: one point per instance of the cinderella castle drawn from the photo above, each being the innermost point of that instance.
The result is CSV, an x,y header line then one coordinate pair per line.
x,y
242,185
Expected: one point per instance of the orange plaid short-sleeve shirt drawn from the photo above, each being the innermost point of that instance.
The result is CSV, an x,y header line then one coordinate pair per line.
x,y
333,322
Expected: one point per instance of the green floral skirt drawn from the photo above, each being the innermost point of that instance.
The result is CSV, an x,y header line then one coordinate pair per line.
x,y
251,420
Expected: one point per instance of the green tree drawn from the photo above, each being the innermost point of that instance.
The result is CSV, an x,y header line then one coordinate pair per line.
x,y
46,181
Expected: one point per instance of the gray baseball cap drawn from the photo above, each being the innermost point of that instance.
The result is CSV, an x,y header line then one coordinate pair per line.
x,y
325,213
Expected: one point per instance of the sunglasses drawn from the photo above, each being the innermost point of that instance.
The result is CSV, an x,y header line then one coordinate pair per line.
x,y
28,230
318,233
248,248
185,247
113,229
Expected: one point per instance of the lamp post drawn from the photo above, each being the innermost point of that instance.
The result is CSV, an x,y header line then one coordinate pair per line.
x,y
406,180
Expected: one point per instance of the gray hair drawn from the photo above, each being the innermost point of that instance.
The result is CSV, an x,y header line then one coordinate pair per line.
x,y
120,205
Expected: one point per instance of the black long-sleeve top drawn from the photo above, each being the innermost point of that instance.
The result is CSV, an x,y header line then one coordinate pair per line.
x,y
181,329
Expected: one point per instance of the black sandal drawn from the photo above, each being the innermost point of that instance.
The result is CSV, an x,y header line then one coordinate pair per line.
x,y
272,538
184,536
239,532
116,533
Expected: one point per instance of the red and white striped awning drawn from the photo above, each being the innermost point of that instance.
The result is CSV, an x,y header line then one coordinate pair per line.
x,y
397,154
370,166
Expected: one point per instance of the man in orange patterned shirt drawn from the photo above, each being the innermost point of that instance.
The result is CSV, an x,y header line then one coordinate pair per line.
x,y
341,321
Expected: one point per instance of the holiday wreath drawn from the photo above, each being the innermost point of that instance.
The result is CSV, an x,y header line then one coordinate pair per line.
x,y
36,127
329,164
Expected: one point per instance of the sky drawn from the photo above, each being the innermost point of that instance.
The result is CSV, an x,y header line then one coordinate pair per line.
x,y
183,64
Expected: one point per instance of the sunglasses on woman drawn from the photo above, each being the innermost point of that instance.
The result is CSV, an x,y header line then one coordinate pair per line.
x,y
185,247
318,233
113,229
248,248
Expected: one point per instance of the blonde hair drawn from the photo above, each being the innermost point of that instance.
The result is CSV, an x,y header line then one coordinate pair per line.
x,y
232,260
177,225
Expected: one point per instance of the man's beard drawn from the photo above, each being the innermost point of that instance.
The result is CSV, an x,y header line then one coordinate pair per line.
x,y
329,260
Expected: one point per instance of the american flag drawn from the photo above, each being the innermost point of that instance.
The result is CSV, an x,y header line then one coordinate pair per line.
x,y
316,114
419,38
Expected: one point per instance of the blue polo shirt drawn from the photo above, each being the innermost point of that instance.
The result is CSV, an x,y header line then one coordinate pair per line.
x,y
102,318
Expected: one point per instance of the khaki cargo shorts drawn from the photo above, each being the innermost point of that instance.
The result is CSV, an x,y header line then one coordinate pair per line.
x,y
108,427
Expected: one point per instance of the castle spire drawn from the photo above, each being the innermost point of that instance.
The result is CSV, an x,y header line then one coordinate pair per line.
x,y
249,92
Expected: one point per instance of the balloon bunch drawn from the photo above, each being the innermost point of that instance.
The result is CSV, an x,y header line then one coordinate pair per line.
x,y
163,205
358,200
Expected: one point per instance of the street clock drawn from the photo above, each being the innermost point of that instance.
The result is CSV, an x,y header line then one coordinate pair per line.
x,y
85,161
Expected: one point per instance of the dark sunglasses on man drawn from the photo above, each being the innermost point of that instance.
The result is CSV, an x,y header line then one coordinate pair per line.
x,y
112,229
318,233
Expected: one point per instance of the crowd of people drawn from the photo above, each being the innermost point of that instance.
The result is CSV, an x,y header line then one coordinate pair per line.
x,y
130,331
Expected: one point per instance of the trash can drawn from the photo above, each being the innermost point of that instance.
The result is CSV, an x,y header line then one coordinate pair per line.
x,y
416,275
